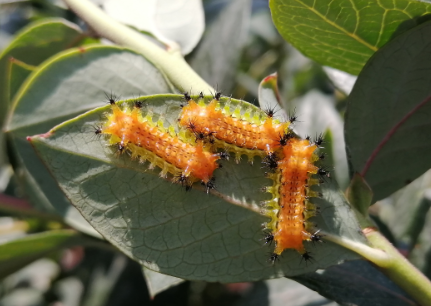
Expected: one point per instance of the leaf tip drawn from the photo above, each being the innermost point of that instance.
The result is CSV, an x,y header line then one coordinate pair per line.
x,y
45,135
272,76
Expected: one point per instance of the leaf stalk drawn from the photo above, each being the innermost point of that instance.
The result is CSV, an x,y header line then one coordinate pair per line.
x,y
376,256
172,64
401,271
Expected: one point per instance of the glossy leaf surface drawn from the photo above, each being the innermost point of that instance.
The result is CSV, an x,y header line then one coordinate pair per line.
x,y
388,131
33,45
66,85
344,34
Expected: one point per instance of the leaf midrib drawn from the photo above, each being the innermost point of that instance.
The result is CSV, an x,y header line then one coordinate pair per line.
x,y
352,35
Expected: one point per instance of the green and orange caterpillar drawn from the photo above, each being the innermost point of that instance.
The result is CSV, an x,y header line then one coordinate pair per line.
x,y
190,156
129,130
290,206
290,159
247,133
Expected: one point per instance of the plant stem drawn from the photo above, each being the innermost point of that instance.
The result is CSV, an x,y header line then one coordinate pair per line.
x,y
391,262
21,207
376,256
401,271
171,64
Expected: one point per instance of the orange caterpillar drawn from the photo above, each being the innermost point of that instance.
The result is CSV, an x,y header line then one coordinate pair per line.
x,y
290,208
291,160
146,140
231,131
186,156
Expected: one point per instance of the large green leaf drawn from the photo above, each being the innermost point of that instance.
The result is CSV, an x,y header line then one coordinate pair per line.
x,y
29,48
388,130
18,253
344,34
190,235
67,85
33,45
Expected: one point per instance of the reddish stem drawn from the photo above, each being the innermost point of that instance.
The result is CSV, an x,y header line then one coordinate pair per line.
x,y
14,203
390,133
22,207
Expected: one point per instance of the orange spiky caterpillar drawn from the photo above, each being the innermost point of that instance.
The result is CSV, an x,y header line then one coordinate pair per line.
x,y
229,130
290,208
146,140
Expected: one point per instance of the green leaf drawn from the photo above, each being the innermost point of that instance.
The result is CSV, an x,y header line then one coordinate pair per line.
x,y
328,150
158,282
387,126
190,235
18,72
33,45
66,85
17,253
29,48
344,34
359,194
367,285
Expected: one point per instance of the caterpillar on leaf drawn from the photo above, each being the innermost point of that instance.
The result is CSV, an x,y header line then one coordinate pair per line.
x,y
290,159
190,156
145,140
247,133
290,206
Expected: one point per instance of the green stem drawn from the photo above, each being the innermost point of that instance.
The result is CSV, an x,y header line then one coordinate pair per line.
x,y
401,271
376,256
392,264
171,64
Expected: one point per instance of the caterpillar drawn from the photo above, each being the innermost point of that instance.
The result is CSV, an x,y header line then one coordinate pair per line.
x,y
290,206
145,140
189,156
247,134
290,159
